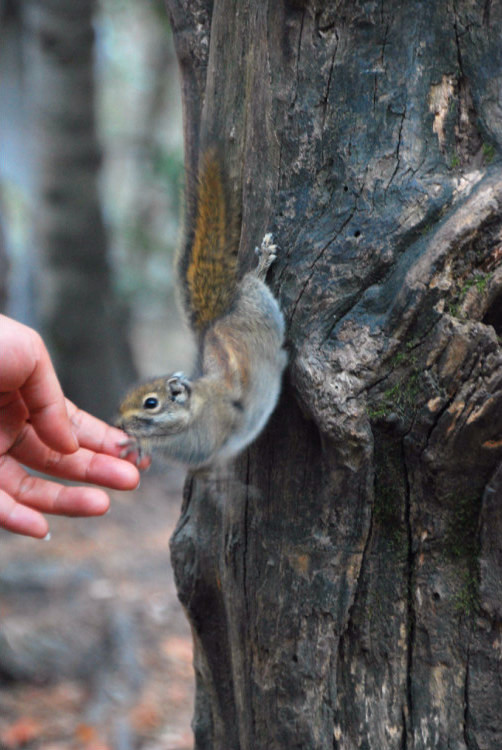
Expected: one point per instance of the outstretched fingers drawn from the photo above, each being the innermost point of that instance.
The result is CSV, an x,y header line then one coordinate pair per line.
x,y
27,367
98,436
92,432
20,519
37,494
83,466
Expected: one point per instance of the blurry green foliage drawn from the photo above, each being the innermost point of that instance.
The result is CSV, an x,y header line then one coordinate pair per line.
x,y
168,167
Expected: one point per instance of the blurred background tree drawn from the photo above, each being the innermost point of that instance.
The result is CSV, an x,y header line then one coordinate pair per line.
x,y
90,184
91,140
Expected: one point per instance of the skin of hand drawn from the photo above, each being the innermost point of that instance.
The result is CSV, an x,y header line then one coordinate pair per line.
x,y
42,430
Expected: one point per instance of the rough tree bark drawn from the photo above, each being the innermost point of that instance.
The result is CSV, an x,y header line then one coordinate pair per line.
x,y
80,314
344,587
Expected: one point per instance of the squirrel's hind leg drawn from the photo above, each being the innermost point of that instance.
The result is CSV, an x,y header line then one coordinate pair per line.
x,y
267,253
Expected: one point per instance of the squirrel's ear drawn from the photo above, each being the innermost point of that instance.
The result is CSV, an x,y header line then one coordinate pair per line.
x,y
179,388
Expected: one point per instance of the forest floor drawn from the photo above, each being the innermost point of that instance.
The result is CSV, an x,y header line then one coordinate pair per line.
x,y
95,651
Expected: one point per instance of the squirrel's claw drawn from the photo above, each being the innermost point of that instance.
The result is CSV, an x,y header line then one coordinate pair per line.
x,y
266,255
132,445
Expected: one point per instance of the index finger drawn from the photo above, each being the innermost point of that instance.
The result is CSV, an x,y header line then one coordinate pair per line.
x,y
26,366
93,433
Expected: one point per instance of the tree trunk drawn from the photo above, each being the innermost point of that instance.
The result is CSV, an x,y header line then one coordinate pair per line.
x,y
344,586
80,315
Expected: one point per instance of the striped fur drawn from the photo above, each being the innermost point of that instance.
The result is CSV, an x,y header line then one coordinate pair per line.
x,y
210,271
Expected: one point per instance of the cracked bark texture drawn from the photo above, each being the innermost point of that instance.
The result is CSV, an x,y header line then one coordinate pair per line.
x,y
343,578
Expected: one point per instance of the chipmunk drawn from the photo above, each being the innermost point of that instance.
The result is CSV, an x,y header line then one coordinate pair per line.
x,y
213,415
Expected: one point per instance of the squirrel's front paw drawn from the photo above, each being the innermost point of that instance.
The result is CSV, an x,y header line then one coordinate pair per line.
x,y
132,446
267,253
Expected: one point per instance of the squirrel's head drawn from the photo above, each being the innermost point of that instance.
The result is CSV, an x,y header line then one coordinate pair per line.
x,y
157,407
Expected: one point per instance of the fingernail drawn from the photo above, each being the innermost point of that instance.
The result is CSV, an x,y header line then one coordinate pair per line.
x,y
47,537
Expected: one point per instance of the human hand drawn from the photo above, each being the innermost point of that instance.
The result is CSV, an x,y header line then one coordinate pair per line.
x,y
44,431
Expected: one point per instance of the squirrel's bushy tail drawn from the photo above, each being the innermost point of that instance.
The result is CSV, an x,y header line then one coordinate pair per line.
x,y
209,265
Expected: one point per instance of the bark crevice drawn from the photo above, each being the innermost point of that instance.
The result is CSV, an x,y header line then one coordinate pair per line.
x,y
408,730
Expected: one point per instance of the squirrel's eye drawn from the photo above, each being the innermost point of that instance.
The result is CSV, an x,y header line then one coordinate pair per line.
x,y
151,402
